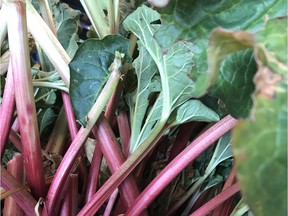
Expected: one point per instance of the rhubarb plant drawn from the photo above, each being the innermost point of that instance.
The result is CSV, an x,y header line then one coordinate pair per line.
x,y
161,108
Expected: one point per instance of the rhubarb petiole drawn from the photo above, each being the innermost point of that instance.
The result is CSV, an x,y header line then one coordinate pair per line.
x,y
22,78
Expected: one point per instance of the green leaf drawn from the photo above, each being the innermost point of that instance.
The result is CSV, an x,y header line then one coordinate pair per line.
x,y
138,100
260,149
194,20
173,65
193,110
89,71
271,42
46,118
234,83
66,20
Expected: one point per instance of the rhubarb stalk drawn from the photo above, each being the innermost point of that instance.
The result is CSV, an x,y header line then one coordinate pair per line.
x,y
22,78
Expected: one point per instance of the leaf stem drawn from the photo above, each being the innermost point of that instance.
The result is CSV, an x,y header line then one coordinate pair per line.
x,y
25,103
179,163
66,165
7,110
220,198
126,168
23,198
96,16
49,43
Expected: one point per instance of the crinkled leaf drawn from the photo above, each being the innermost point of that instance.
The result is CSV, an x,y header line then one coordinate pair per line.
x,y
173,65
272,45
89,71
234,83
260,149
193,110
194,20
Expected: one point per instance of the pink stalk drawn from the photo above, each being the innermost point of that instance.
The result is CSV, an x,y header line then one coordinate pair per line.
x,y
16,126
111,202
23,198
226,206
94,173
66,165
71,119
16,140
114,157
182,138
216,201
22,77
124,130
179,163
7,110
116,179
16,168
70,203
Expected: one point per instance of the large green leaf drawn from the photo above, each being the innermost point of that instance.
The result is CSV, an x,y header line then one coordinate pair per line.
x,y
194,20
89,70
173,65
260,148
260,143
234,84
272,45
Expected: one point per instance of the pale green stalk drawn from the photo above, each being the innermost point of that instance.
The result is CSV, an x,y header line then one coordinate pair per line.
x,y
111,16
116,14
52,85
96,16
3,24
49,43
47,15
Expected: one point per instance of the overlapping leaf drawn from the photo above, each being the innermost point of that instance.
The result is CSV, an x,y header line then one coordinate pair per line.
x,y
194,20
260,143
89,71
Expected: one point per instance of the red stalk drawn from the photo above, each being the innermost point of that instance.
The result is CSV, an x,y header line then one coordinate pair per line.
x,y
114,157
217,200
94,173
124,130
179,163
111,202
66,165
15,139
225,208
70,203
116,179
182,138
15,125
16,168
7,110
25,103
23,198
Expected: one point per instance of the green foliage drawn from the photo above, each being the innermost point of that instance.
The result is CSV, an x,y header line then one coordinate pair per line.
x,y
89,71
194,20
234,83
260,143
261,156
173,65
